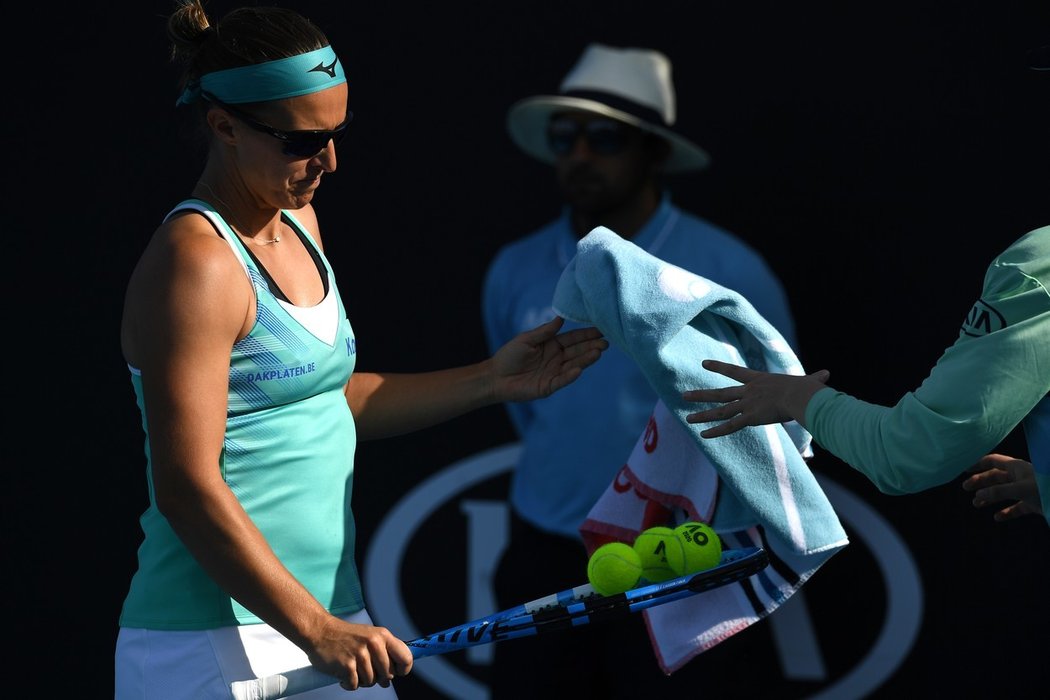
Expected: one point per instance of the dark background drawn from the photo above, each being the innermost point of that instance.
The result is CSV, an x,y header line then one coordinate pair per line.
x,y
878,154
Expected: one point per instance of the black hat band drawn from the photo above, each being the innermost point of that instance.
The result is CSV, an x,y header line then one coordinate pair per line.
x,y
646,114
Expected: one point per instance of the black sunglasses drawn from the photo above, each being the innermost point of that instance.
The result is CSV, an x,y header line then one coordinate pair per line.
x,y
605,137
301,144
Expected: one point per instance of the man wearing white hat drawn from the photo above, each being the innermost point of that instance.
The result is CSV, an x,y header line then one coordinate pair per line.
x,y
609,134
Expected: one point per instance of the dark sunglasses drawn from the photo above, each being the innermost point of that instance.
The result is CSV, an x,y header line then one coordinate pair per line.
x,y
301,144
605,137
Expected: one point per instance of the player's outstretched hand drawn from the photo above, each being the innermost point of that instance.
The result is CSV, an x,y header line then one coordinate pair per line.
x,y
761,398
536,363
360,656
997,478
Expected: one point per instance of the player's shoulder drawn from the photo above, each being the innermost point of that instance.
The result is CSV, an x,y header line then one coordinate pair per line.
x,y
1031,250
1028,256
187,245
1034,244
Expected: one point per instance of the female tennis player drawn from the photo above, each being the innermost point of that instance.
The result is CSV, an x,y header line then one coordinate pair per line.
x,y
242,361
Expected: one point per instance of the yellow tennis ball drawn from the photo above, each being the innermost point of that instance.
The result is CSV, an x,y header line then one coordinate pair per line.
x,y
661,552
614,568
702,545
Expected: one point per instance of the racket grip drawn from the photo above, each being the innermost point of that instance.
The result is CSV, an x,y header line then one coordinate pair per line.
x,y
298,680
280,685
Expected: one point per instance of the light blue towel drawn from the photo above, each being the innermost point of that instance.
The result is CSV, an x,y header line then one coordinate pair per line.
x,y
669,320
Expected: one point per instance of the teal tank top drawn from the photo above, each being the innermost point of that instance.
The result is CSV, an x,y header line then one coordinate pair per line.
x,y
288,456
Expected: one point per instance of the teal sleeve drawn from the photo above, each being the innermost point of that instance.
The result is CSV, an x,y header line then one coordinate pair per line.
x,y
901,449
980,389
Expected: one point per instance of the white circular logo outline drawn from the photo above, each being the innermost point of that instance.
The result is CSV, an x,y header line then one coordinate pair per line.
x,y
904,597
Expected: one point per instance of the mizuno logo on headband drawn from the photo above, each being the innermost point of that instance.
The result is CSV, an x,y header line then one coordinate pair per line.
x,y
321,67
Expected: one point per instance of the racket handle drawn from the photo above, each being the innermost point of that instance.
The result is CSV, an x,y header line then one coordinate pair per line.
x,y
280,685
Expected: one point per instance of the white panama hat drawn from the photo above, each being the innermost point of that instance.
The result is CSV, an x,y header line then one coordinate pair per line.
x,y
631,85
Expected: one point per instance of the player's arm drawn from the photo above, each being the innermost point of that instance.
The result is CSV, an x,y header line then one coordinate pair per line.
x,y
189,301
532,365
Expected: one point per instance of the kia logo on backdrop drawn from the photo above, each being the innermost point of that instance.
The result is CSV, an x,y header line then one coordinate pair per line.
x,y
431,561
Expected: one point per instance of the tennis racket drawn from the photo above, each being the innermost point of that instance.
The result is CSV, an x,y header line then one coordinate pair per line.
x,y
569,608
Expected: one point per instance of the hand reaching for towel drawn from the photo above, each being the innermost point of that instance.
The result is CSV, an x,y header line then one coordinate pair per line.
x,y
761,398
536,363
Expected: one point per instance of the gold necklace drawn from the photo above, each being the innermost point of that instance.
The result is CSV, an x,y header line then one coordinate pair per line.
x,y
229,209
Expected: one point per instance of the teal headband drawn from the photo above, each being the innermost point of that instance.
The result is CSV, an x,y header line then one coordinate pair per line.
x,y
274,80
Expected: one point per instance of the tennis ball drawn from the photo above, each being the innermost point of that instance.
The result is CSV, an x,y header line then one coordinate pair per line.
x,y
661,552
702,545
614,568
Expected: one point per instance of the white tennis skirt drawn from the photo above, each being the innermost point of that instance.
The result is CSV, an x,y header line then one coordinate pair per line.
x,y
201,664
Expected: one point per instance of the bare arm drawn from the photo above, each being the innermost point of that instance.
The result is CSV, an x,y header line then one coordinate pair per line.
x,y
188,302
533,365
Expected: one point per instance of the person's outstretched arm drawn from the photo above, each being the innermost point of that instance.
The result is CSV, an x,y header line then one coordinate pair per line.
x,y
532,365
